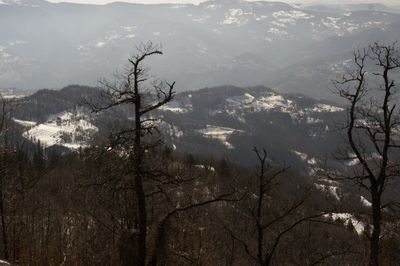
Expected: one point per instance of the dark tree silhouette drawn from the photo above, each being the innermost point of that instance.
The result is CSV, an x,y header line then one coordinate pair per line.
x,y
136,89
373,127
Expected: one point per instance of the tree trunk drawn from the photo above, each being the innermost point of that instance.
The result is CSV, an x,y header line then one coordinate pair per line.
x,y
2,213
140,195
3,227
376,231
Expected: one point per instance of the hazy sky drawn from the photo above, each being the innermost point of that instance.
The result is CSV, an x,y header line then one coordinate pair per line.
x,y
389,2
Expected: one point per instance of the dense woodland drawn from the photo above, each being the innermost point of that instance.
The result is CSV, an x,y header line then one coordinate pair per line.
x,y
130,200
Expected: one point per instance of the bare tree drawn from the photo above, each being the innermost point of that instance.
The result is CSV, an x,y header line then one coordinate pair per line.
x,y
4,111
137,89
373,128
262,248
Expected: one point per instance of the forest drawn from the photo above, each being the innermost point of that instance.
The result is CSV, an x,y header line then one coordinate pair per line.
x,y
129,199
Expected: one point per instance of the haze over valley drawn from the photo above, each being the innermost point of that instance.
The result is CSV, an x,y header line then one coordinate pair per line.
x,y
218,132
210,44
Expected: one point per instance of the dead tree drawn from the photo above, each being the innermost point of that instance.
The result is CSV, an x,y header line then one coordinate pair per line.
x,y
4,111
373,128
145,95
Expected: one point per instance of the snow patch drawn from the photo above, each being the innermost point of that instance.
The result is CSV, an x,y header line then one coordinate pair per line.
x,y
365,202
325,108
333,190
236,16
238,106
206,167
359,226
176,107
65,129
303,156
290,17
353,160
218,133
100,44
25,123
3,261
213,7
277,32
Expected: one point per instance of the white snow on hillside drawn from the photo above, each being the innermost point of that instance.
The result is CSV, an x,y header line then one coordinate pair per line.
x,y
268,102
213,6
176,107
218,133
290,17
365,202
325,108
16,2
205,167
240,105
332,190
236,16
273,101
347,218
312,120
341,25
3,261
277,32
25,123
65,129
353,160
303,156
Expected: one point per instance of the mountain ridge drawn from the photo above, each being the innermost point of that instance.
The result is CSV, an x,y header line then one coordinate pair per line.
x,y
205,45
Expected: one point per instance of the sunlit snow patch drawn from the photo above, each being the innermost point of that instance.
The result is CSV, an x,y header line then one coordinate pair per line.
x,y
176,107
303,156
348,218
65,129
325,108
219,133
268,102
365,202
25,123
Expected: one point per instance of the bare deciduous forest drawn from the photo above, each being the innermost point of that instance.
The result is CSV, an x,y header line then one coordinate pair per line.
x,y
130,200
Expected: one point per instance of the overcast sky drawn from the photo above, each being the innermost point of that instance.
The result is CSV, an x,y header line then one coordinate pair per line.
x,y
388,2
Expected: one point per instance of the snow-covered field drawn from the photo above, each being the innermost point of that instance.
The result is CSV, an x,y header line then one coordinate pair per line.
x,y
65,129
176,107
218,133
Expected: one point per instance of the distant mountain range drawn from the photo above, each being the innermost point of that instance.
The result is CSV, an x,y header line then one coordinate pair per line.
x,y
291,48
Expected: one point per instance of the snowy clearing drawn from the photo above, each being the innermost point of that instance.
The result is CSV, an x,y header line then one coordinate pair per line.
x,y
65,129
218,133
